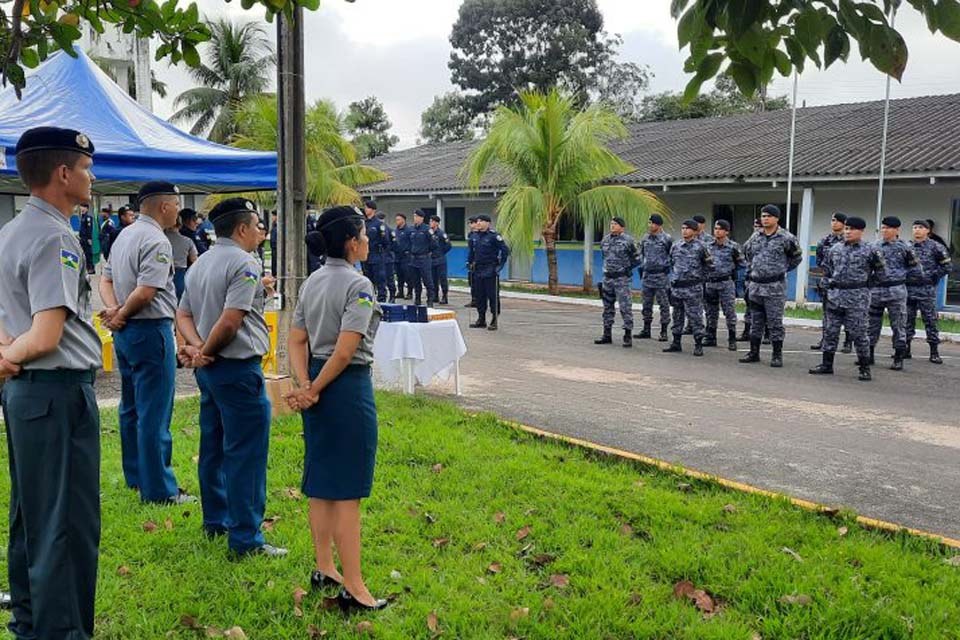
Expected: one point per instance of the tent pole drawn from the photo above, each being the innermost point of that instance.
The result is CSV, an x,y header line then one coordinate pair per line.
x,y
886,129
793,140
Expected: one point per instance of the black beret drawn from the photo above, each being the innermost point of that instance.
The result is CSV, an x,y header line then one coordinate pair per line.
x,y
840,217
157,188
419,212
124,208
370,204
435,218
700,219
187,214
891,221
401,215
472,219
483,218
229,206
723,224
690,223
922,223
619,221
54,138
930,222
856,223
656,219
771,209
336,214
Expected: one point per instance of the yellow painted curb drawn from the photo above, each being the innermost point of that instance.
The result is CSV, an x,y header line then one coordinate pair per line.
x,y
869,523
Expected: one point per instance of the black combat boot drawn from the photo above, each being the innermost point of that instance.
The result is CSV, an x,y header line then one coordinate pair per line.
x,y
627,338
935,354
872,359
732,341
480,324
776,361
493,324
766,336
607,338
698,347
825,368
906,352
897,360
754,355
675,345
710,340
645,332
864,372
444,301
745,336
847,344
663,333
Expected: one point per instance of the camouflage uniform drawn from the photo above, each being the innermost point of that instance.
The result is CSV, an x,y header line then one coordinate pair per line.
x,y
922,281
655,271
690,261
828,241
889,292
721,287
769,257
848,271
619,260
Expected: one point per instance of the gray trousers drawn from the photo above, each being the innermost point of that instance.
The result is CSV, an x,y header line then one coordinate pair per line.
x,y
721,295
893,300
688,302
616,291
766,312
924,300
660,295
853,319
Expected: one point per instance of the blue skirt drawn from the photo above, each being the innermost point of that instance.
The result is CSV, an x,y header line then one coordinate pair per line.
x,y
340,437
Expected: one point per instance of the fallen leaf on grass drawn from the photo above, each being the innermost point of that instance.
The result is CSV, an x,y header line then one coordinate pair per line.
x,y
213,632
842,531
236,633
432,621
123,571
519,612
396,575
313,631
190,623
293,493
685,487
525,550
499,517
635,600
437,468
529,512
953,562
542,559
413,513
329,602
639,483
560,580
440,542
792,553
298,595
549,604
480,546
364,627
495,567
626,530
802,599
149,526
269,522
523,533
730,508
168,524
700,598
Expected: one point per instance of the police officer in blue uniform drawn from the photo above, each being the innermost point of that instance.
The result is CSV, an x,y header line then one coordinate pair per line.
x,y
438,259
87,226
138,290
189,228
221,319
401,254
421,264
471,238
49,352
373,266
488,255
390,260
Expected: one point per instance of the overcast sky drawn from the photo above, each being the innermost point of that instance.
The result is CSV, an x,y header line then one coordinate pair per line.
x,y
398,50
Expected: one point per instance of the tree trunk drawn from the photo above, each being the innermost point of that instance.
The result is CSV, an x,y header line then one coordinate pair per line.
x,y
588,255
550,242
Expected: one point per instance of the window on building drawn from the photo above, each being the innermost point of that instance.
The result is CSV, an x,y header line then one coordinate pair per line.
x,y
741,217
454,222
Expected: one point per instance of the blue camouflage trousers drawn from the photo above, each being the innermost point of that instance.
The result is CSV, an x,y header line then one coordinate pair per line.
x,y
766,312
721,295
853,319
924,300
658,295
687,302
893,300
616,291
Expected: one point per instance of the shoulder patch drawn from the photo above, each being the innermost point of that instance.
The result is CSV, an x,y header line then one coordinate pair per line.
x,y
162,257
365,299
69,260
249,277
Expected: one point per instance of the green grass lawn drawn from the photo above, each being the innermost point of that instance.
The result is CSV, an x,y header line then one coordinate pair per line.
x,y
499,534
946,325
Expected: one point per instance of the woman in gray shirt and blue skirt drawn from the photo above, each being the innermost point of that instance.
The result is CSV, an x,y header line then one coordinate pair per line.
x,y
331,350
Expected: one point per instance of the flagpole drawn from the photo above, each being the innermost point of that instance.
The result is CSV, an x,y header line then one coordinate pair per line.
x,y
886,129
793,141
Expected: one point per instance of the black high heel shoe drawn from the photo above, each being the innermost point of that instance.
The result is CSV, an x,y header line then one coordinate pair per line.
x,y
319,580
347,602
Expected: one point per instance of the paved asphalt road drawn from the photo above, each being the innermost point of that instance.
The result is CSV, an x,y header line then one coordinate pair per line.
x,y
889,449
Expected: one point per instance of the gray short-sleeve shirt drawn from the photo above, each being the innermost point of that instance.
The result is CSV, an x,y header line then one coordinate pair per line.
x,y
142,256
43,267
183,247
336,298
227,277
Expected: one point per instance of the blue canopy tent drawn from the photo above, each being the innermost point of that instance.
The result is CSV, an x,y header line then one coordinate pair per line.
x,y
132,145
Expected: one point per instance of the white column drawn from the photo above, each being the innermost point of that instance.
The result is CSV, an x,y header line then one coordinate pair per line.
x,y
443,220
806,227
588,253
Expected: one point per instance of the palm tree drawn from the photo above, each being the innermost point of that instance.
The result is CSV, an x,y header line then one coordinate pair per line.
x,y
239,64
555,159
333,167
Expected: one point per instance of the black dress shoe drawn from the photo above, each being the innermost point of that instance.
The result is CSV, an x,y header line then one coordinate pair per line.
x,y
348,602
319,581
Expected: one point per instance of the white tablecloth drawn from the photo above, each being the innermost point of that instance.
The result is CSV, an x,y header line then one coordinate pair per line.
x,y
424,350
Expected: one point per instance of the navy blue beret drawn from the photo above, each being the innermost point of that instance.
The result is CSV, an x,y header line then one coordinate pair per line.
x,y
472,219
690,223
336,214
484,218
187,214
370,204
922,223
401,215
619,221
700,219
723,224
891,221
856,223
54,138
419,212
435,218
771,209
157,188
231,205
656,219
840,217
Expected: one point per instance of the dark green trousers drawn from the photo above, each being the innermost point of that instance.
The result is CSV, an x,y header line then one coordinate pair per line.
x,y
53,437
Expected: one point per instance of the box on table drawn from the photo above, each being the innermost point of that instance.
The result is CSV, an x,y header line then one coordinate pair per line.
x,y
393,312
441,314
416,313
277,387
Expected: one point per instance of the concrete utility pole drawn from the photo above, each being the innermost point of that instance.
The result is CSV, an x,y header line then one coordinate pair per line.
x,y
291,170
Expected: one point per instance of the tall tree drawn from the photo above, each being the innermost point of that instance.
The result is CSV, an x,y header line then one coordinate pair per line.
x,y
501,46
367,122
238,63
724,100
333,166
556,157
448,119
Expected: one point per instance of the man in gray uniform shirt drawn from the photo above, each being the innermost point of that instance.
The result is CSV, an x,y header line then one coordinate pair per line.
x,y
49,350
221,318
138,291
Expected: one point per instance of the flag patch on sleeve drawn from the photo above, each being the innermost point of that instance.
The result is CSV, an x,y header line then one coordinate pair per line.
x,y
249,277
69,260
364,299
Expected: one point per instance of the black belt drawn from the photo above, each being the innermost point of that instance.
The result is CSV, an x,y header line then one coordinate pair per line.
x,y
890,283
922,283
69,376
718,279
655,270
848,286
684,284
766,279
616,274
